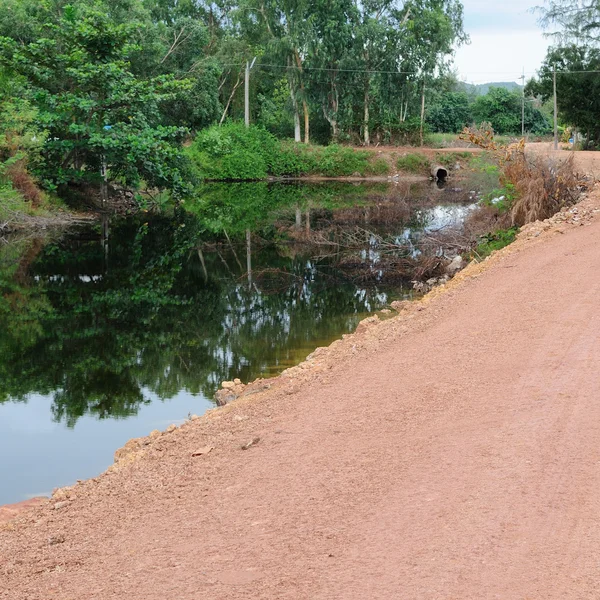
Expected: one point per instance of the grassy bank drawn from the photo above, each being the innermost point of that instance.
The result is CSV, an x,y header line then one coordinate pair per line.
x,y
16,211
236,153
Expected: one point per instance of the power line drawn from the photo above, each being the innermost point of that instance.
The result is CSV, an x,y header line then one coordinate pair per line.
x,y
384,72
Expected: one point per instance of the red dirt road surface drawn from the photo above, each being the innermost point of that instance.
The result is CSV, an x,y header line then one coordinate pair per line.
x,y
452,452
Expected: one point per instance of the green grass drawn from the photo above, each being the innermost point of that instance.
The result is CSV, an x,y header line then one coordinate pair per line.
x,y
452,140
449,159
495,241
413,163
12,204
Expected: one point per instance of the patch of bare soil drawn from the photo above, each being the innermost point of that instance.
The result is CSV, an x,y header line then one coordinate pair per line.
x,y
586,162
450,452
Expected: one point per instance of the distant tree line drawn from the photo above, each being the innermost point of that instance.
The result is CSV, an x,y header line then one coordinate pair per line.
x,y
451,111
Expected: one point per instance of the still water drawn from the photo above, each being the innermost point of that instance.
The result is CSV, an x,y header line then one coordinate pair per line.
x,y
113,330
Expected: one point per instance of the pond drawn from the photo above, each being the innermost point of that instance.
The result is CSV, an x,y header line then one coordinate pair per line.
x,y
129,325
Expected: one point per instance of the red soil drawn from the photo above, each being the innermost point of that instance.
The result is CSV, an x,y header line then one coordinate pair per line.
x,y
450,453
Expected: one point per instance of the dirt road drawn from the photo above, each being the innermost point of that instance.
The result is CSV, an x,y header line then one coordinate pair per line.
x,y
450,453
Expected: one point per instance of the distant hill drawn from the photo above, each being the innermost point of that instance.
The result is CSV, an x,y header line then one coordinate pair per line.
x,y
483,88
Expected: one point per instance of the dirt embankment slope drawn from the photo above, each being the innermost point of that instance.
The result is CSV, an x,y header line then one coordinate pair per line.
x,y
449,453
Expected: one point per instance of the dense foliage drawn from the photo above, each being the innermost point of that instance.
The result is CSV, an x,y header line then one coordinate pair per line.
x,y
117,84
234,152
452,111
578,88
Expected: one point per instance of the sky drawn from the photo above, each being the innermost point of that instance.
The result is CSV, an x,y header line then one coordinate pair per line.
x,y
505,38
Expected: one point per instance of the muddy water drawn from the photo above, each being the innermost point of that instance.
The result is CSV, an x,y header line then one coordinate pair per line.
x,y
111,331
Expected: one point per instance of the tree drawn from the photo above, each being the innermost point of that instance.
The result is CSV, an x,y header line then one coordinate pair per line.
x,y
94,109
578,89
502,109
576,19
451,113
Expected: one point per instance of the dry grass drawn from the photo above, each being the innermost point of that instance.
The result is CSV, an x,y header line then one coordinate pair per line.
x,y
544,185
23,182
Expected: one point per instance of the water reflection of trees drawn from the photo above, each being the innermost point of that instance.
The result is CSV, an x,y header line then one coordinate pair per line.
x,y
103,318
100,339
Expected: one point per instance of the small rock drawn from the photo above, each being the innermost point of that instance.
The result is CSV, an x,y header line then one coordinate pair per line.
x,y
398,305
386,311
53,540
237,381
170,428
155,433
194,418
223,397
456,265
251,443
228,385
60,505
202,451
240,418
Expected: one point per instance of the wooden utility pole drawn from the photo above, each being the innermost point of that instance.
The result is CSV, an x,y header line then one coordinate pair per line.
x,y
247,92
523,105
555,113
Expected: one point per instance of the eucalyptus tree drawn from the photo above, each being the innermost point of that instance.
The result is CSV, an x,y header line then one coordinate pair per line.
x,y
576,20
331,45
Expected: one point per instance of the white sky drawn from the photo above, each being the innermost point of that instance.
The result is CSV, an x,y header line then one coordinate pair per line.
x,y
505,37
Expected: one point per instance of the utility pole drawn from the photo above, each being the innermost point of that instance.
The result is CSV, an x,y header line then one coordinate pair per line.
x,y
523,105
422,112
555,112
247,92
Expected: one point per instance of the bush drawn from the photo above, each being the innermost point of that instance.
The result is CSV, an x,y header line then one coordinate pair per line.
x,y
294,160
340,161
495,241
233,152
378,167
413,163
236,153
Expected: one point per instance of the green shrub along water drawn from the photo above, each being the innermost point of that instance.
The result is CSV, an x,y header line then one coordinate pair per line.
x,y
233,152
495,241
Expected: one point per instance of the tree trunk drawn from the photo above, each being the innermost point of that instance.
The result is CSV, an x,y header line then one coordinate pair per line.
x,y
306,121
235,87
297,133
304,103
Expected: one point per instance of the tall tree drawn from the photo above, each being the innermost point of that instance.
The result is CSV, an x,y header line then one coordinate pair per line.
x,y
94,109
578,87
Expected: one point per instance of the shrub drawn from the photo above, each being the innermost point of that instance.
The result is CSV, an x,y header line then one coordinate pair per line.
x,y
340,161
236,153
378,167
233,151
22,181
293,159
495,241
543,186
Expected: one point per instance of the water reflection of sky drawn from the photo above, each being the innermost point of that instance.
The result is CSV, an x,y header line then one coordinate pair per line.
x,y
40,454
444,217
